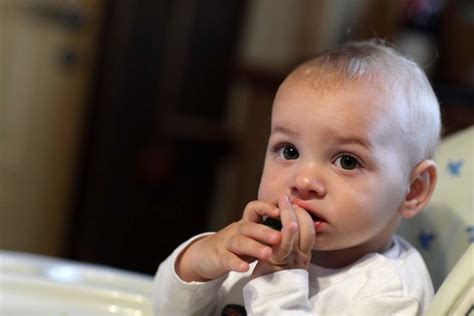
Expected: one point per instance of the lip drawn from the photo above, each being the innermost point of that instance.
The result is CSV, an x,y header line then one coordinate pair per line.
x,y
315,215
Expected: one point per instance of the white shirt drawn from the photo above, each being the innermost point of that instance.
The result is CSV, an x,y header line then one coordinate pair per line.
x,y
395,282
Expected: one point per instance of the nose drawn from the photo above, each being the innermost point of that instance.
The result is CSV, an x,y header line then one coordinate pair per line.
x,y
307,183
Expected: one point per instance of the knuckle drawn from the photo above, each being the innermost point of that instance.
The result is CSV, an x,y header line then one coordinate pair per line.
x,y
239,228
235,243
250,206
243,228
235,227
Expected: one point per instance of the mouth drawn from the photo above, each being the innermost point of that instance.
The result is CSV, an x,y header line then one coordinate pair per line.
x,y
318,220
315,218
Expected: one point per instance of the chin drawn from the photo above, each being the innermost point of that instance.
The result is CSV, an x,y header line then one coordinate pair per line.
x,y
322,247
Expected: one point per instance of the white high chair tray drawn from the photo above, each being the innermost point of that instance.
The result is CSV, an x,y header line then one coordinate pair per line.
x,y
31,284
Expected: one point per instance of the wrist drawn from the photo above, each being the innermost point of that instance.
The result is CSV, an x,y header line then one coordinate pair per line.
x,y
268,266
263,268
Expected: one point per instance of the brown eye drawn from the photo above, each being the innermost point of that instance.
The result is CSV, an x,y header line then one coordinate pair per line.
x,y
290,152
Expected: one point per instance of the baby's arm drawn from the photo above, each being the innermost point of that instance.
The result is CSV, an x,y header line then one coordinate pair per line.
x,y
172,296
207,258
232,248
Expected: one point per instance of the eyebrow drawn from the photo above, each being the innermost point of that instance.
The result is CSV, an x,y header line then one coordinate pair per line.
x,y
284,130
347,139
328,135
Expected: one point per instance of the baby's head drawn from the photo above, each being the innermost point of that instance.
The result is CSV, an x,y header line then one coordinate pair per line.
x,y
353,131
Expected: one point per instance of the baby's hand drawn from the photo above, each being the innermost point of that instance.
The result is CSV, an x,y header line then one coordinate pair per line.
x,y
298,237
232,248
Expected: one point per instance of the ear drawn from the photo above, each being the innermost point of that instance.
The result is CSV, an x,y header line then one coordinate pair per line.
x,y
422,183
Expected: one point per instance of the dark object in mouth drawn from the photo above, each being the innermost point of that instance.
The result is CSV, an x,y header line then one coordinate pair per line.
x,y
273,223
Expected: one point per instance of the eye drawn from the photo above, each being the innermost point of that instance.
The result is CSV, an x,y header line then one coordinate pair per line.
x,y
287,152
347,162
290,152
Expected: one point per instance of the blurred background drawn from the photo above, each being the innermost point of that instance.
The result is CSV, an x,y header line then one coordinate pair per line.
x,y
128,126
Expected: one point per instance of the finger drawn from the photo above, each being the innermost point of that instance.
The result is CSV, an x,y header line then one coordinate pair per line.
x,y
243,246
259,232
307,233
287,213
232,262
256,210
289,236
290,226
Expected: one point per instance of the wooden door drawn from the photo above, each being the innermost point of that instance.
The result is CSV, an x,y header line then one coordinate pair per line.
x,y
47,51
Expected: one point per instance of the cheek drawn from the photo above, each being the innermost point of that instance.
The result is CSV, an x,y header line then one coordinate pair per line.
x,y
357,200
267,188
364,214
394,189
394,177
362,201
379,201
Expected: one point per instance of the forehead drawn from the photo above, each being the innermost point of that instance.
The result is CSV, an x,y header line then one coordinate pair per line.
x,y
334,110
333,96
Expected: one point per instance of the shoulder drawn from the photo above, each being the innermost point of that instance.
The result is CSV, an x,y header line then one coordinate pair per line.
x,y
398,272
398,275
401,268
414,276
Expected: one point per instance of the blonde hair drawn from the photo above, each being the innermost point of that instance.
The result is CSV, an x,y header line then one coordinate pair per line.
x,y
377,63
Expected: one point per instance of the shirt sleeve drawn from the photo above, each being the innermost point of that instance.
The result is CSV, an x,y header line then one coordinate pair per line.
x,y
280,293
173,296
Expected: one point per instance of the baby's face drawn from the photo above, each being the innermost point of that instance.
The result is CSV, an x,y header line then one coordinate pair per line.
x,y
337,154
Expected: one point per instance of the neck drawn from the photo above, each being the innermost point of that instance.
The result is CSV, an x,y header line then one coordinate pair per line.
x,y
335,259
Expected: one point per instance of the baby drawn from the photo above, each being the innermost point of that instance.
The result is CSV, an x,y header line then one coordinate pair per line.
x,y
349,156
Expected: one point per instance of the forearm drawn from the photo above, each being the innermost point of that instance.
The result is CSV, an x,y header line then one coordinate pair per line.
x,y
174,296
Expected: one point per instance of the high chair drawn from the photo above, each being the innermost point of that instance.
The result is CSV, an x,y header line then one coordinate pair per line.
x,y
444,232
456,294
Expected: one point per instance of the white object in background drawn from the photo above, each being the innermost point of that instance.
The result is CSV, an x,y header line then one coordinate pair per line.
x,y
32,284
456,294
